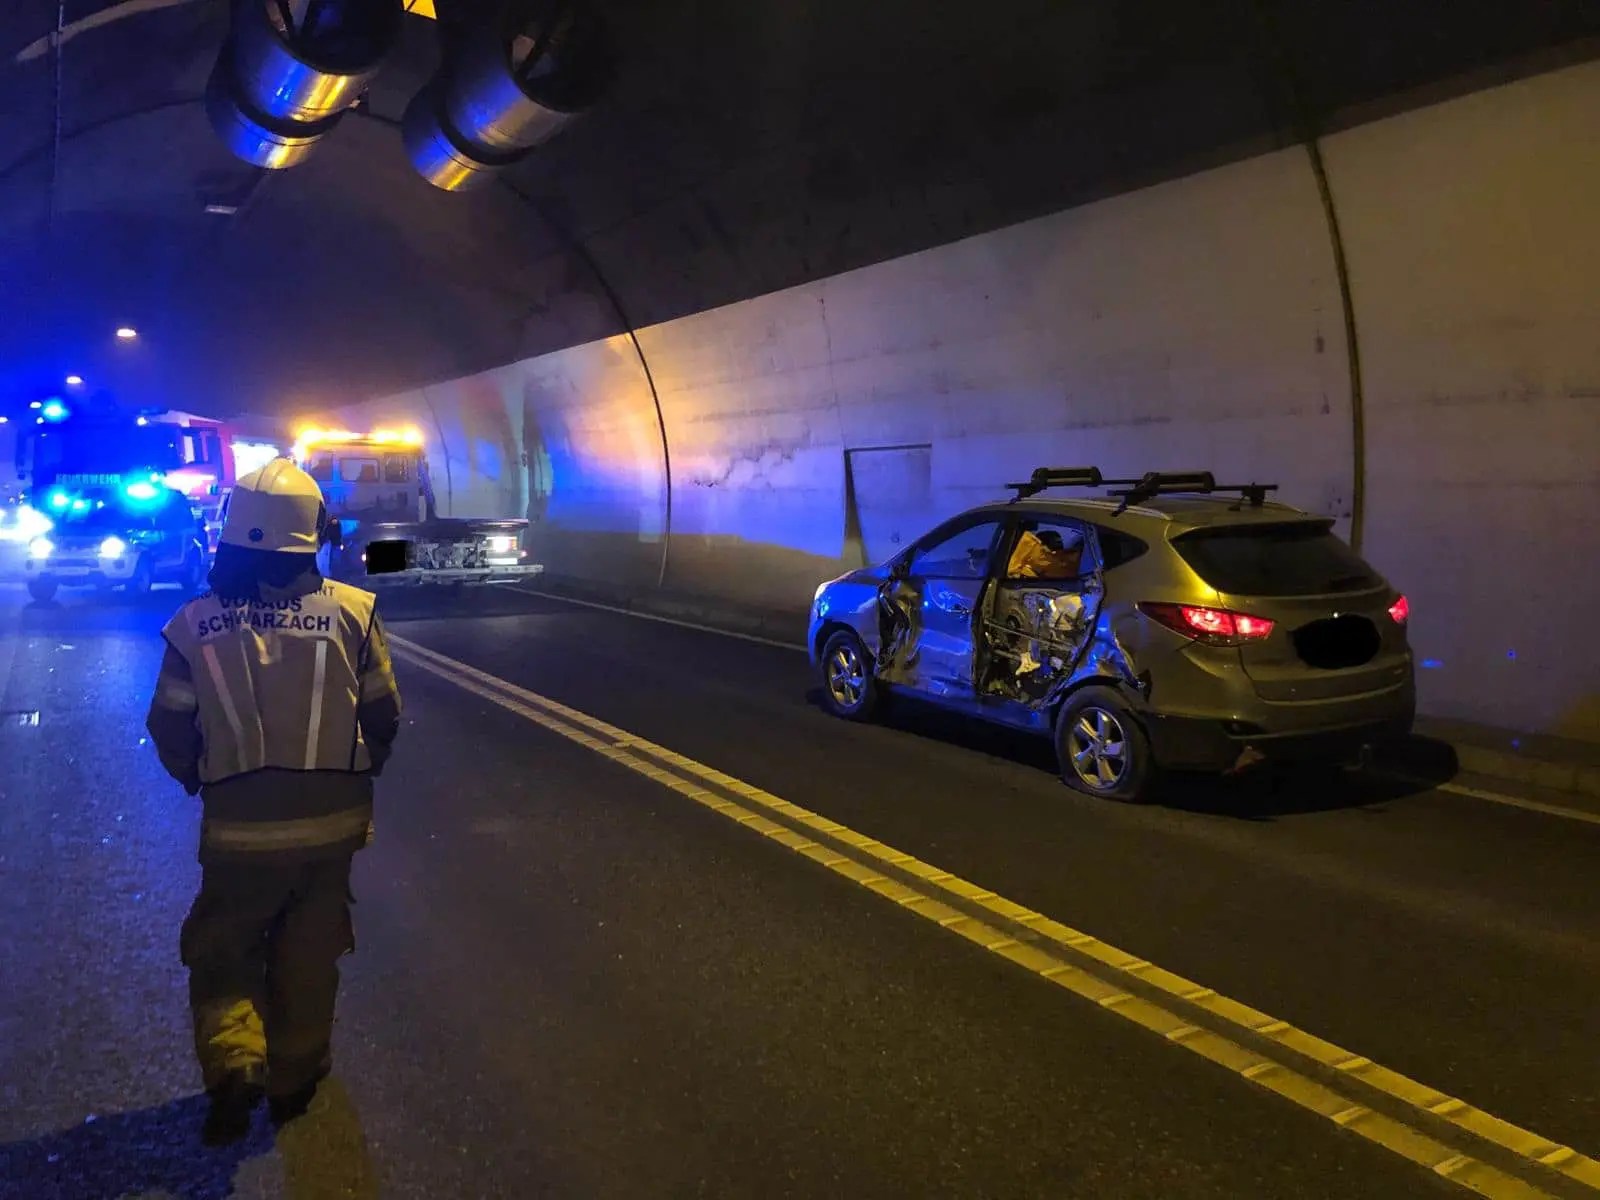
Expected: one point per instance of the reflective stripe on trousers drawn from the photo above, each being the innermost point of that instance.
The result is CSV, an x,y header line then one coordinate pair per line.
x,y
307,833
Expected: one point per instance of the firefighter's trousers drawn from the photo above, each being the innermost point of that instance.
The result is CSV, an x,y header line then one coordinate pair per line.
x,y
262,944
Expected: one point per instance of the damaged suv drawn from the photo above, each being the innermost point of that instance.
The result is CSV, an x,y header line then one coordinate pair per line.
x,y
1171,623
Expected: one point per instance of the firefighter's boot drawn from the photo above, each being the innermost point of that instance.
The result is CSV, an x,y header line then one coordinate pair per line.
x,y
233,1100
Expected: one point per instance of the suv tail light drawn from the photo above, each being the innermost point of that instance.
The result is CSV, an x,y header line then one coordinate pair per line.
x,y
1400,610
1210,626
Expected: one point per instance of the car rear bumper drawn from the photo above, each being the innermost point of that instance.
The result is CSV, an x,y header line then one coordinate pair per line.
x,y
1285,733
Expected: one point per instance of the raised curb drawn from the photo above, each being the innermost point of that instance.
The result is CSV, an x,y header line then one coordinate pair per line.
x,y
1438,750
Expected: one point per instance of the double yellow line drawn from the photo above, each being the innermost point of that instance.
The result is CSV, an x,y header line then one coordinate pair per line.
x,y
1355,1093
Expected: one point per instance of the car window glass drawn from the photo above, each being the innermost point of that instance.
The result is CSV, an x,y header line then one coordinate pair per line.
x,y
395,469
962,555
1049,551
109,518
1117,547
320,468
1299,558
358,470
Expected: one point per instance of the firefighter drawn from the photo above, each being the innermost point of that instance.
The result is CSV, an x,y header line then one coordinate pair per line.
x,y
277,705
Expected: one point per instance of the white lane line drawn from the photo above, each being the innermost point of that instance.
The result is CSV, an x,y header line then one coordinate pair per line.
x,y
1551,810
1538,806
679,772
644,616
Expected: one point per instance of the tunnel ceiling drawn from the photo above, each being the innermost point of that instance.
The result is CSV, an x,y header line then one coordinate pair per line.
x,y
745,147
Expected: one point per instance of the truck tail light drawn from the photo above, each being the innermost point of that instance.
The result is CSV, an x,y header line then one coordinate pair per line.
x,y
1400,611
1210,626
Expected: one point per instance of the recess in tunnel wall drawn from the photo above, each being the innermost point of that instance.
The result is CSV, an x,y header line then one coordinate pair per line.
x,y
1196,324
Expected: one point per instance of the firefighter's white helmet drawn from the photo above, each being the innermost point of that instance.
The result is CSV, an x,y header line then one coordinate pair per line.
x,y
278,508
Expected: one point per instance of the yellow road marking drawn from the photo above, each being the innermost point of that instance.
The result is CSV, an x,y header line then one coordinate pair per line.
x,y
635,752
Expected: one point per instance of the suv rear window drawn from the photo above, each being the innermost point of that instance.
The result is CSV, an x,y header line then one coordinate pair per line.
x,y
1302,558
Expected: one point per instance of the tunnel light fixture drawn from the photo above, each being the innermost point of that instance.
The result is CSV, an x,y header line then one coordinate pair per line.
x,y
127,333
222,210
74,380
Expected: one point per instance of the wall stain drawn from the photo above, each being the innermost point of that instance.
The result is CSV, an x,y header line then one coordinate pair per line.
x,y
746,471
1119,422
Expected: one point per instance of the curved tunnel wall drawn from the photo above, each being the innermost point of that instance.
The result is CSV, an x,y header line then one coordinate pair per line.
x,y
1194,324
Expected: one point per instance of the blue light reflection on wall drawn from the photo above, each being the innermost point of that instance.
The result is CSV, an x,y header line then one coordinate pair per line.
x,y
490,462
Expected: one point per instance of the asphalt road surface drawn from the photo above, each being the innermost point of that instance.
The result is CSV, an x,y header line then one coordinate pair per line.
x,y
601,952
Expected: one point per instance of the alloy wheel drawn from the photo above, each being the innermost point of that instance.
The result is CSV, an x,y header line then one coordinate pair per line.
x,y
847,676
1098,748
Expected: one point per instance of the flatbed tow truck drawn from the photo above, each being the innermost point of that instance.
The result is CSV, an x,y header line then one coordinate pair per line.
x,y
388,533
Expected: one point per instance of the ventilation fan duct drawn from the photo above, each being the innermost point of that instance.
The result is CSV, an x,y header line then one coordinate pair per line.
x,y
511,87
290,69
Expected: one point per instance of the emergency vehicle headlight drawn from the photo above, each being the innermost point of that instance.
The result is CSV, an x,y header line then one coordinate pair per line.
x,y
32,523
141,491
28,524
113,547
502,545
41,547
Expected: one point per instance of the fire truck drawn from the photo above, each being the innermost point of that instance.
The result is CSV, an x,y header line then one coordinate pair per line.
x,y
68,455
100,446
389,533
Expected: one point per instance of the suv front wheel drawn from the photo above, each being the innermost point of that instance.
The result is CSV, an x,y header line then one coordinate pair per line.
x,y
848,688
1102,747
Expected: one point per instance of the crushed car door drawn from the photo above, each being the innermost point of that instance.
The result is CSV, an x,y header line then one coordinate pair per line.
x,y
928,608
1041,616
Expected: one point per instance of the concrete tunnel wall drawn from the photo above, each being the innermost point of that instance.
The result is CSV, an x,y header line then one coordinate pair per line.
x,y
1194,324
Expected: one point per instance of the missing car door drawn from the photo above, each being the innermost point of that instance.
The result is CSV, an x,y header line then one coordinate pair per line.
x,y
1042,615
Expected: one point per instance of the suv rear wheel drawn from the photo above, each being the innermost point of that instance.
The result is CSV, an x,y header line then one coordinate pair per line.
x,y
1102,748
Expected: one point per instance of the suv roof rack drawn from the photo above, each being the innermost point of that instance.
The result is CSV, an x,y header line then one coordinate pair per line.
x,y
1136,491
1168,483
1054,477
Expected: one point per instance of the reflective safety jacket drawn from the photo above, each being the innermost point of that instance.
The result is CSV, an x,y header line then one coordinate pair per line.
x,y
278,712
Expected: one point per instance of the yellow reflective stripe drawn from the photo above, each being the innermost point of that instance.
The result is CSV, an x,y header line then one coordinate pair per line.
x,y
208,652
286,835
176,695
231,1037
319,678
